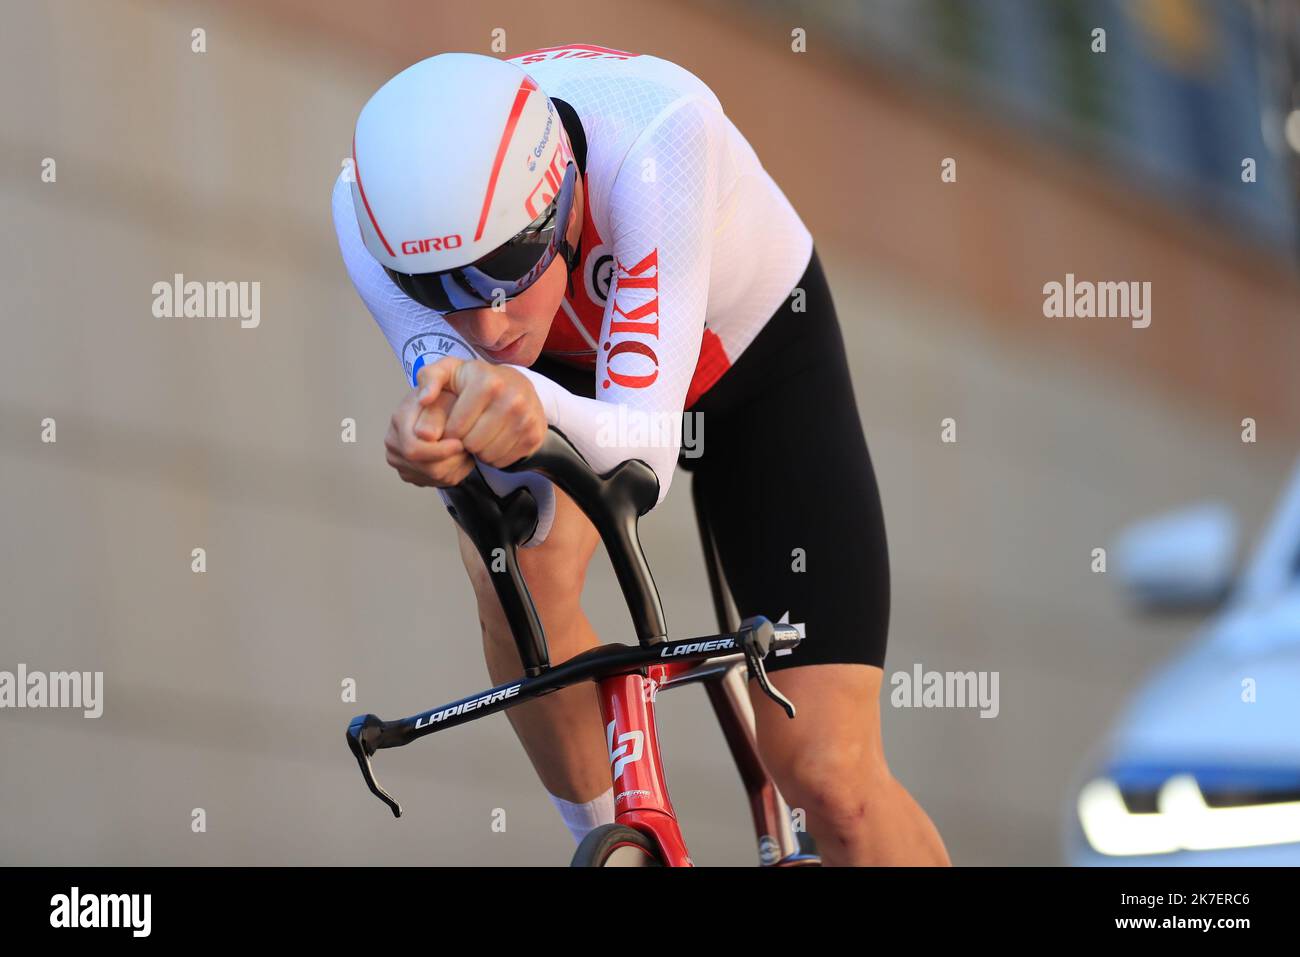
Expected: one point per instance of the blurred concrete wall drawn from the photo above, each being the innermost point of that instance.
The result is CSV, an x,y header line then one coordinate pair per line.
x,y
223,689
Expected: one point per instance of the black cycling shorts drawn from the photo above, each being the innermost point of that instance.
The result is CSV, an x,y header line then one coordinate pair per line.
x,y
787,484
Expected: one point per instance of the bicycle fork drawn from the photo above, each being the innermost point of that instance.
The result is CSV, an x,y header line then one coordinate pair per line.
x,y
632,739
641,800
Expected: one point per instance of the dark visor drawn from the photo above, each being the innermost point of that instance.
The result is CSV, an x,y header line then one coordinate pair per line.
x,y
506,271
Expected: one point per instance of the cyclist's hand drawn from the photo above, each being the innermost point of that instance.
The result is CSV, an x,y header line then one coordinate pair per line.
x,y
497,415
416,447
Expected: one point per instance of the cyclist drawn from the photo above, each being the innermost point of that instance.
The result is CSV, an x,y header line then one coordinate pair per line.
x,y
580,237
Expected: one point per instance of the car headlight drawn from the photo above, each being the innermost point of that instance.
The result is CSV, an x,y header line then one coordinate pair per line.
x,y
1181,818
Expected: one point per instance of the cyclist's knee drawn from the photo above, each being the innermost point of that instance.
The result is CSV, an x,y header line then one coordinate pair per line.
x,y
480,578
554,570
836,784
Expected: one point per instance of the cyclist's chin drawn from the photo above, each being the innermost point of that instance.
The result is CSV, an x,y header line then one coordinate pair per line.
x,y
522,352
530,354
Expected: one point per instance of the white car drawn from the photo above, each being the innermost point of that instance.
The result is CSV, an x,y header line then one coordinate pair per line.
x,y
1204,766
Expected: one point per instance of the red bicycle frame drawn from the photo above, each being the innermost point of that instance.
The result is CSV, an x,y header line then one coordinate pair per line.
x,y
640,793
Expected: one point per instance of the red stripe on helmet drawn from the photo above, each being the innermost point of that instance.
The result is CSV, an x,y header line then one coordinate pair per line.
x,y
526,87
585,47
356,171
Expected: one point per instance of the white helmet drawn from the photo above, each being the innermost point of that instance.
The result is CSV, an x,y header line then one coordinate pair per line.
x,y
464,180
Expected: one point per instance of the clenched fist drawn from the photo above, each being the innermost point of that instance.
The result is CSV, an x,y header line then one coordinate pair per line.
x,y
462,409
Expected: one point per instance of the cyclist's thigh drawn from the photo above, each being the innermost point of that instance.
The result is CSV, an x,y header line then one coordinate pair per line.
x,y
838,719
791,496
554,570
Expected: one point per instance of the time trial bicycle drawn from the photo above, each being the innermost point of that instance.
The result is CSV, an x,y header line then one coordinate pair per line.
x,y
645,832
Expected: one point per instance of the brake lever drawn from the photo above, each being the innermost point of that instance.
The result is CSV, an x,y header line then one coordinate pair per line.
x,y
362,733
760,636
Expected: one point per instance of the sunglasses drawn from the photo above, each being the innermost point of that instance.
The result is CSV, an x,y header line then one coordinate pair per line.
x,y
506,271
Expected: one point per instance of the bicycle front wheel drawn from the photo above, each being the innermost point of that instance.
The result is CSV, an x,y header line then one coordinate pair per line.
x,y
616,845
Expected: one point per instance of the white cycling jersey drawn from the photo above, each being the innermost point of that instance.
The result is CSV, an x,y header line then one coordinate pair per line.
x,y
688,247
